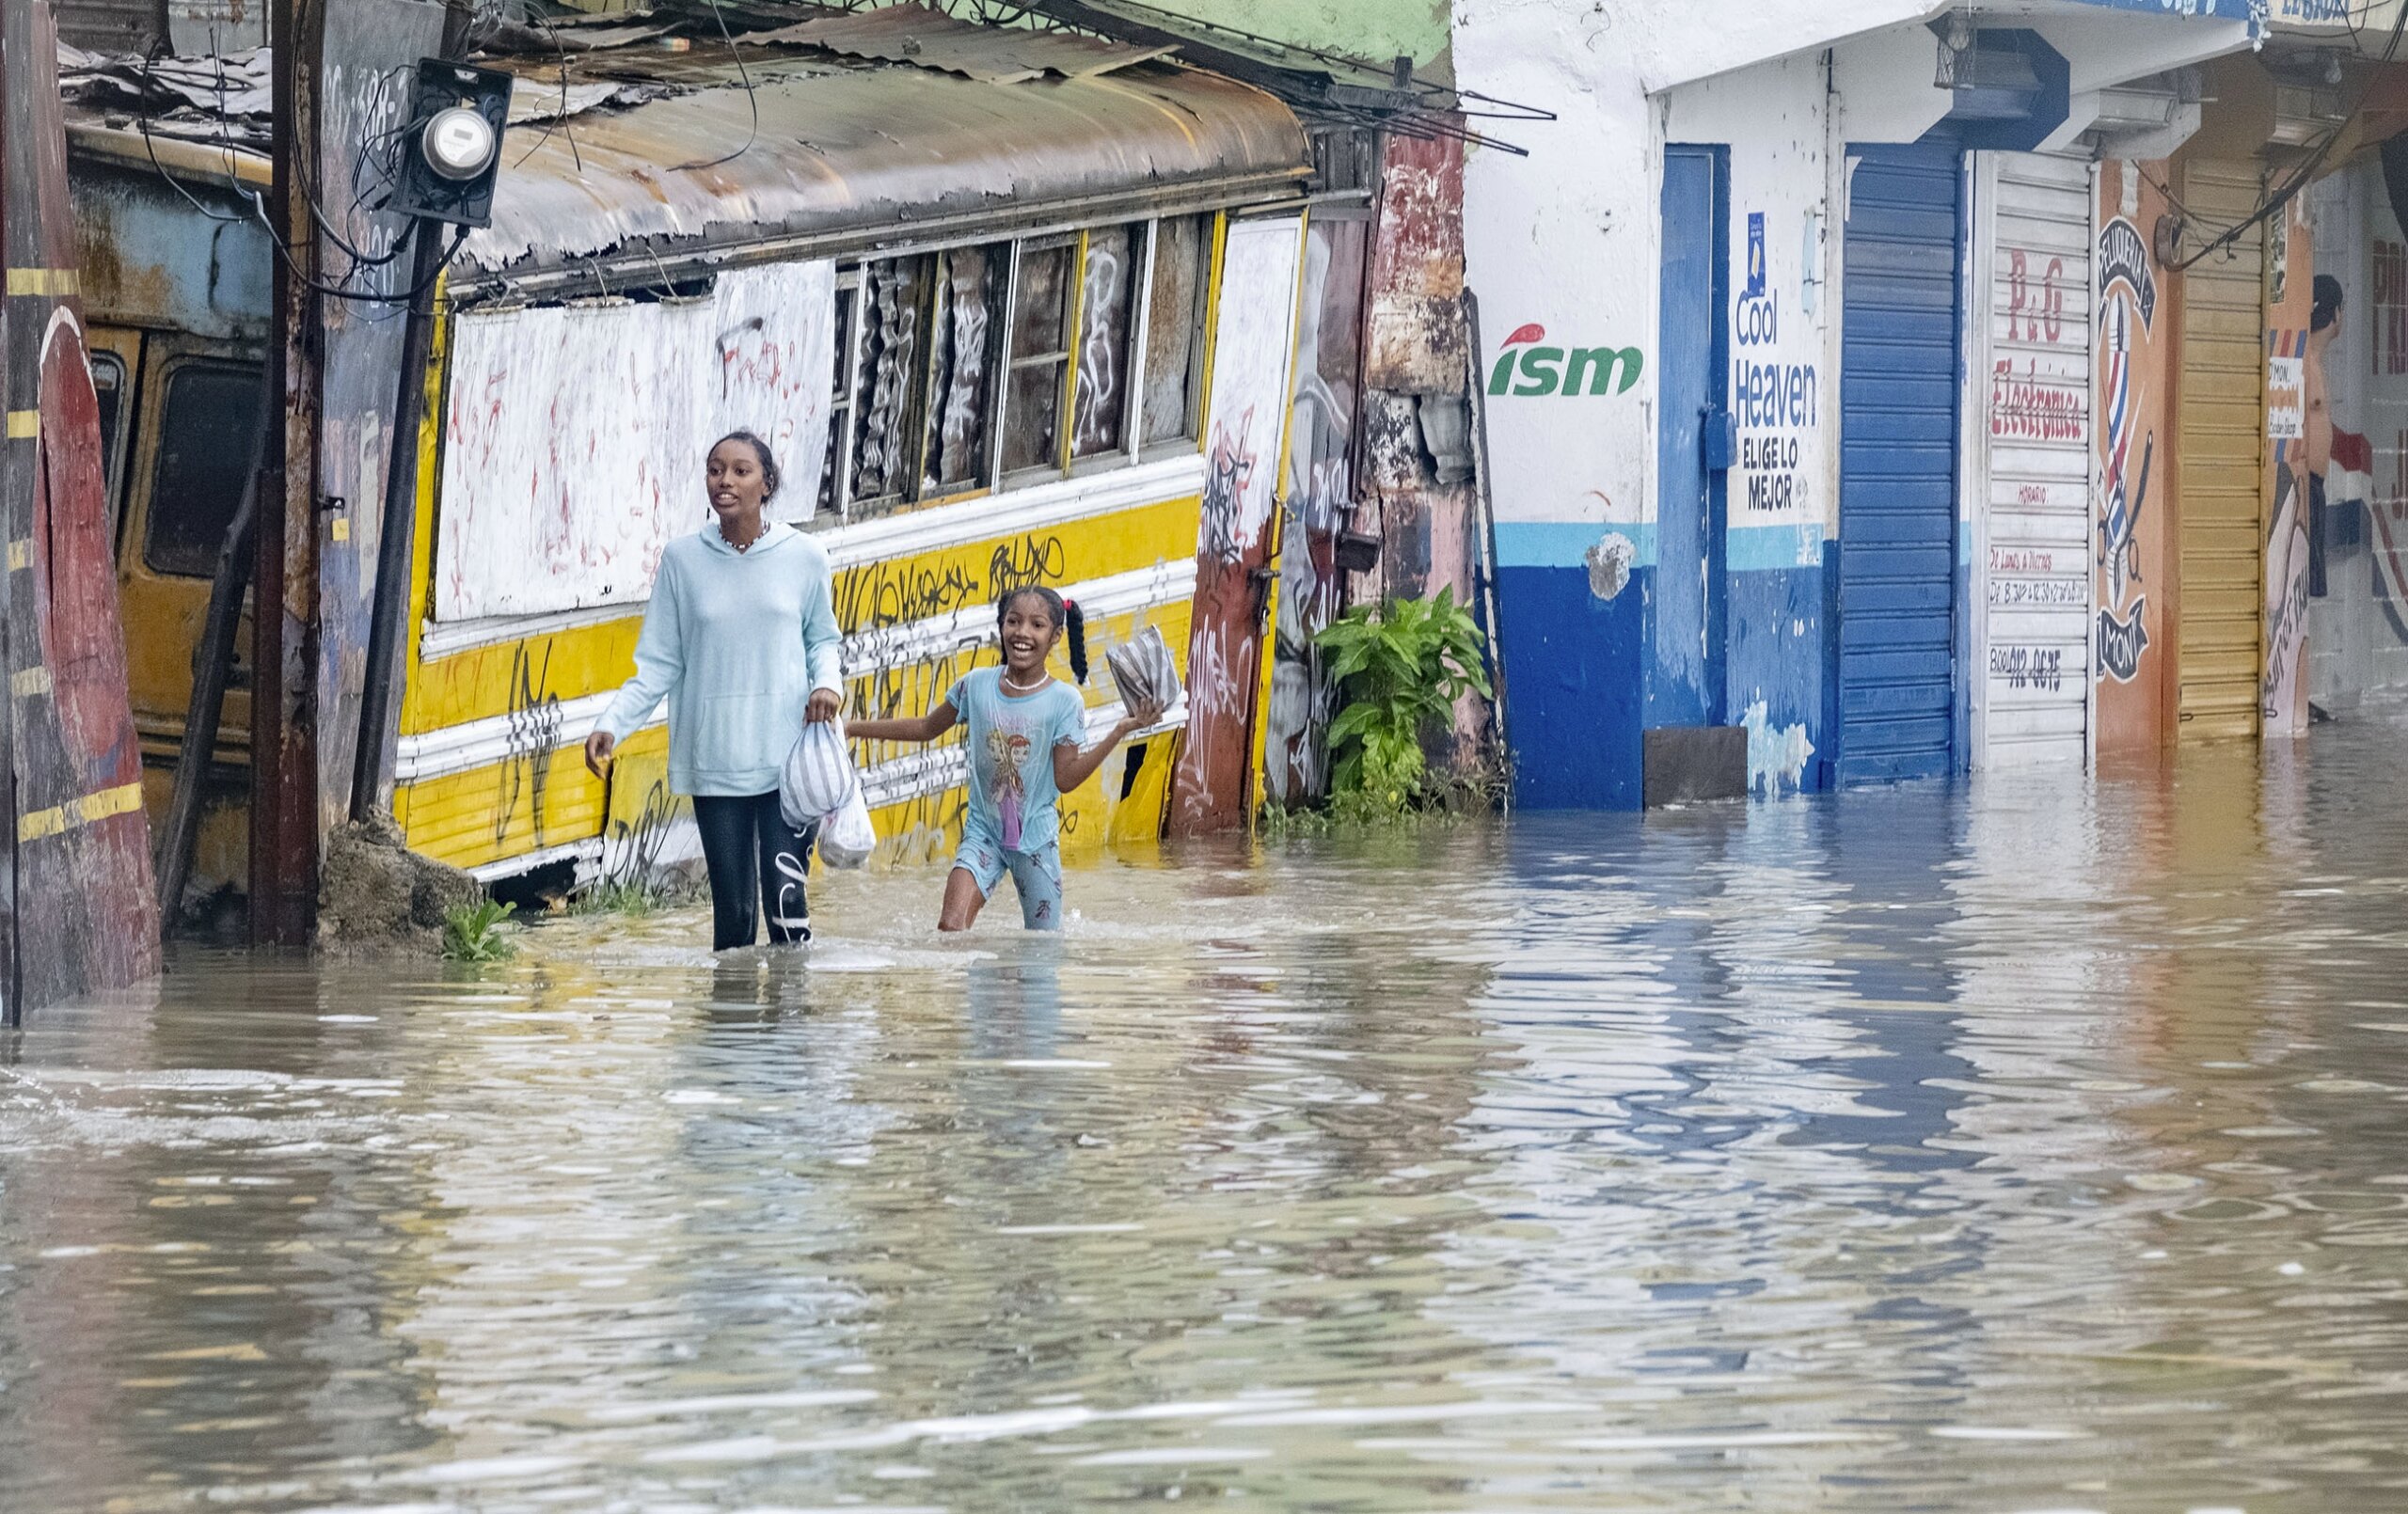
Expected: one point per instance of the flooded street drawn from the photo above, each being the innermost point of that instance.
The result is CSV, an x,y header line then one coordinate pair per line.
x,y
2022,1145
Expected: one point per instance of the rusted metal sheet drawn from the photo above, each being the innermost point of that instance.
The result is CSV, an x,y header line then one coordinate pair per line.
x,y
878,152
1415,343
368,46
1252,337
559,491
222,99
81,914
927,38
148,259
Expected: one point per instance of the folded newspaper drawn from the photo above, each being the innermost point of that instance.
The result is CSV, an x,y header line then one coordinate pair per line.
x,y
1144,673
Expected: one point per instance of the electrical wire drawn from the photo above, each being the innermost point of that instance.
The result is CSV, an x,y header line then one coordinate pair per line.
x,y
142,123
2305,173
567,131
259,208
753,100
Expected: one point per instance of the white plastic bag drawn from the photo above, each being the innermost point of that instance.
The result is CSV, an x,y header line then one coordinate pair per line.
x,y
819,775
847,837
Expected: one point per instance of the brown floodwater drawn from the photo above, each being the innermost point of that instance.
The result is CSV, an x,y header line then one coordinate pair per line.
x,y
2029,1144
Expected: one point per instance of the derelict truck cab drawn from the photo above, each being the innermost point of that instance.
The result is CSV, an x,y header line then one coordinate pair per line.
x,y
175,290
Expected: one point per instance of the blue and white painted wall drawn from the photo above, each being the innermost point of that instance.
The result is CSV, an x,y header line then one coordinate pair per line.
x,y
1659,287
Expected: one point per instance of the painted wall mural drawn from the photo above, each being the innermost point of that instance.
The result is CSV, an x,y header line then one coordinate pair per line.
x,y
1246,411
2134,353
574,436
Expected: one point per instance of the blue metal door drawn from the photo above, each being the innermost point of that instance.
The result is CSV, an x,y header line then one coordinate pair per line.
x,y
1898,396
1685,641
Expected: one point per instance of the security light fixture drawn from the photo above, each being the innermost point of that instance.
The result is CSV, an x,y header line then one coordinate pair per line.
x,y
1955,33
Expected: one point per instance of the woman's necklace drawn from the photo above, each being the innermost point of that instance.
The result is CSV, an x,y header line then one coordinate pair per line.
x,y
749,542
1043,678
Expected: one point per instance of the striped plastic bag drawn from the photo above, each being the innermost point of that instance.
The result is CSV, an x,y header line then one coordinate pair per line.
x,y
1143,672
819,776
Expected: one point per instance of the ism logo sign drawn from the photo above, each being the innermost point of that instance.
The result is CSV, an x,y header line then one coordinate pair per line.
x,y
1543,369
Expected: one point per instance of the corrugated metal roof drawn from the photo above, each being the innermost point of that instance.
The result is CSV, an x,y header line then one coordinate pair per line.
x,y
885,153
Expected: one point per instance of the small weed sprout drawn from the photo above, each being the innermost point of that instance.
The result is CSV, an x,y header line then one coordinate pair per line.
x,y
478,932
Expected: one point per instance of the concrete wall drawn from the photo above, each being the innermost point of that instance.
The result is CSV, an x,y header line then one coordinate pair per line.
x,y
1565,240
1565,248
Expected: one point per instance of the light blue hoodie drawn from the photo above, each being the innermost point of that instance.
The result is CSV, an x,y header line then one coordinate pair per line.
x,y
736,641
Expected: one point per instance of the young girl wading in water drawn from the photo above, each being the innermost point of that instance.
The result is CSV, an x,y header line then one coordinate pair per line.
x,y
1025,740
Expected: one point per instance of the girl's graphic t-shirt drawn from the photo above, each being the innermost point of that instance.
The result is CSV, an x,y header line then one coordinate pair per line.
x,y
1011,741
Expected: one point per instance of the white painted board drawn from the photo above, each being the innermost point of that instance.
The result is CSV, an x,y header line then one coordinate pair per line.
x,y
574,435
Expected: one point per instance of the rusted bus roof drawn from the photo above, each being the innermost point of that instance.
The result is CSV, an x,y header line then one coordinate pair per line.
x,y
865,156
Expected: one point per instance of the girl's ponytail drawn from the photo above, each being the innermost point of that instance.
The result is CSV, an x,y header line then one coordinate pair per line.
x,y
1075,623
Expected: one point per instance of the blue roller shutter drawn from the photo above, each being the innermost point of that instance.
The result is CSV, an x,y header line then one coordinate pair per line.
x,y
1899,444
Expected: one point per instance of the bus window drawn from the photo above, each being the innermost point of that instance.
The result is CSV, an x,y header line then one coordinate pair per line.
x,y
1175,329
205,434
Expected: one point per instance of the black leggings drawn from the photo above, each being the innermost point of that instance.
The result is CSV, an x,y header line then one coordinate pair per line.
x,y
755,859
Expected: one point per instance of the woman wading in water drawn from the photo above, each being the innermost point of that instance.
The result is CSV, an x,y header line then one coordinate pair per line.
x,y
740,639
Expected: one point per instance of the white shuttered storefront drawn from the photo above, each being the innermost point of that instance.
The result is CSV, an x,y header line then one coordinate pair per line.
x,y
2029,486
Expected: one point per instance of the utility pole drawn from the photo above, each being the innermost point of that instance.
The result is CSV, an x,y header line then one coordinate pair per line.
x,y
284,656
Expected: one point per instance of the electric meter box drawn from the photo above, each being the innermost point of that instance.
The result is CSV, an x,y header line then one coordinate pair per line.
x,y
456,112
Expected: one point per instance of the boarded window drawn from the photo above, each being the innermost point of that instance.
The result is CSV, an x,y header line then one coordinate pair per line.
x,y
1040,354
893,301
1100,421
969,283
1174,328
213,411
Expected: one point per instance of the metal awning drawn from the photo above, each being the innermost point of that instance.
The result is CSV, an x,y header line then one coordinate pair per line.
x,y
847,154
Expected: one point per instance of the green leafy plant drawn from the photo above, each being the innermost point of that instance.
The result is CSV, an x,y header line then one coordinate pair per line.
x,y
478,932
1402,664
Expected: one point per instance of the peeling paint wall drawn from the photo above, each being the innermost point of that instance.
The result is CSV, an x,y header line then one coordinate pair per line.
x,y
1417,417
